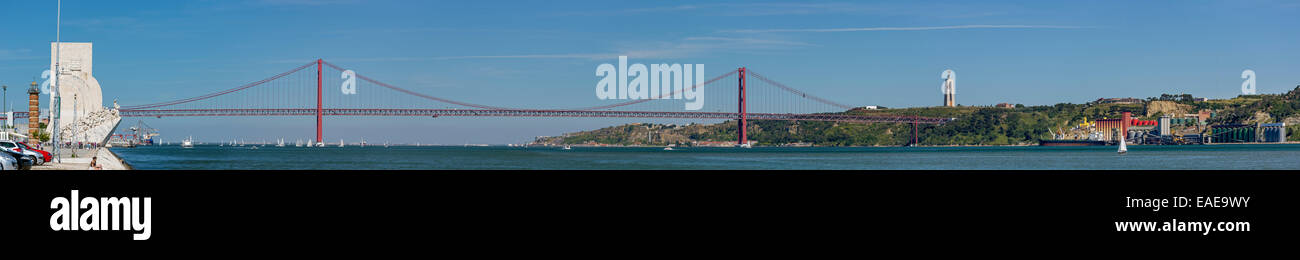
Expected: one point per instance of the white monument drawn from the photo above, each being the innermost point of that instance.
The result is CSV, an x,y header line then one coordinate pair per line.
x,y
82,115
949,88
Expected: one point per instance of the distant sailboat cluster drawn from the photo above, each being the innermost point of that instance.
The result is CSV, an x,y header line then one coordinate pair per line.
x,y
280,142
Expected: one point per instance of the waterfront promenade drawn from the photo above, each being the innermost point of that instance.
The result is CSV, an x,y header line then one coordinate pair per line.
x,y
106,159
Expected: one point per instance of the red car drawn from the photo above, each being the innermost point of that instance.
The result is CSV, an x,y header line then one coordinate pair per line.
x,y
44,154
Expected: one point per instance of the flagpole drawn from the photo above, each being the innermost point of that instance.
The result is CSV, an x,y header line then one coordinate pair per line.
x,y
54,89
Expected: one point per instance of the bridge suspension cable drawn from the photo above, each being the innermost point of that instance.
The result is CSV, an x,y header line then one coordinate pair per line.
x,y
219,93
664,96
757,101
760,77
417,94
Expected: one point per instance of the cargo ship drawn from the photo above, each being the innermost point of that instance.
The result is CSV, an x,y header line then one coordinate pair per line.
x,y
1094,138
1071,143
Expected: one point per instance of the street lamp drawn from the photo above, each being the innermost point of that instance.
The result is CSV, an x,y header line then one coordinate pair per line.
x,y
4,89
74,126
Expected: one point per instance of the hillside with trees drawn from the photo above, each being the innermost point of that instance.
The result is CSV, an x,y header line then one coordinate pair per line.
x,y
1023,125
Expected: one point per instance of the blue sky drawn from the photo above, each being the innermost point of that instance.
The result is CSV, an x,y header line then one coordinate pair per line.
x,y
543,53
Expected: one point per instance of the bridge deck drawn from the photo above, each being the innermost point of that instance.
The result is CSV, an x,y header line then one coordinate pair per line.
x,y
526,113
517,113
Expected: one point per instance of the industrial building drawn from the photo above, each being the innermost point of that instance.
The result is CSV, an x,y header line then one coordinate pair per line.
x,y
1248,133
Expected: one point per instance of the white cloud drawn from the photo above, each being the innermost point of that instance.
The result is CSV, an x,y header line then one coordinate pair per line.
x,y
931,10
745,9
17,54
925,28
306,2
117,21
686,47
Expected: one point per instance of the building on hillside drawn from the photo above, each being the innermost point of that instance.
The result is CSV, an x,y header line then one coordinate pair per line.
x,y
1118,101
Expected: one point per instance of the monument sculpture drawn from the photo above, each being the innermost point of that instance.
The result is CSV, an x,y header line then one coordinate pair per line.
x,y
82,117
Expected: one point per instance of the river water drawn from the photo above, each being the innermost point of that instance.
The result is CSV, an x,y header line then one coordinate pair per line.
x,y
1252,157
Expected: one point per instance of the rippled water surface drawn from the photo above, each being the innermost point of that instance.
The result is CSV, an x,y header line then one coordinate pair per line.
x,y
1281,156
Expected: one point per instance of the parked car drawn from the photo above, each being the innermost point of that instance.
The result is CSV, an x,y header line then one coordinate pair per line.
x,y
8,162
23,161
45,156
37,158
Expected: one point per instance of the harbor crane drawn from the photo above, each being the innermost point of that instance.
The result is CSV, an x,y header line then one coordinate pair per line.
x,y
144,134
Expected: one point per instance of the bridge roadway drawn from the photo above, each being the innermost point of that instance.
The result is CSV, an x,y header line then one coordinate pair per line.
x,y
525,113
159,113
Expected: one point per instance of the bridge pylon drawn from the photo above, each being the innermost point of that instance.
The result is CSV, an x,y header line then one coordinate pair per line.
x,y
743,111
319,111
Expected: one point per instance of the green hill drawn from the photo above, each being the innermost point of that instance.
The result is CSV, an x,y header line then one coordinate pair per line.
x,y
973,125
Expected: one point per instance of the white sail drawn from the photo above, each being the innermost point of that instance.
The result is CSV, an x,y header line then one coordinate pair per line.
x,y
1123,147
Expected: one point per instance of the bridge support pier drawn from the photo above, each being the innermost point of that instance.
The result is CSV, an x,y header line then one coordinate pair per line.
x,y
319,112
915,140
744,114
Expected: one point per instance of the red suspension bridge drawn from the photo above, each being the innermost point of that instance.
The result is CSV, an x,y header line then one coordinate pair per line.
x,y
740,95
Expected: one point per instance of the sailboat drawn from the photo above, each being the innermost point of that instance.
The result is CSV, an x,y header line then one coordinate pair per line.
x,y
281,143
188,143
1123,148
340,143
